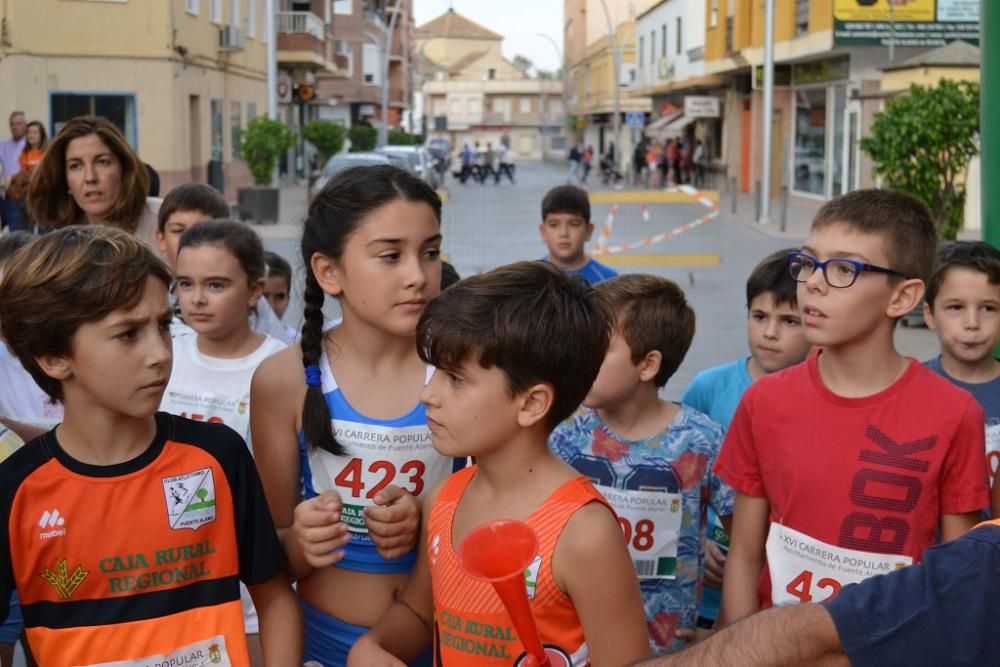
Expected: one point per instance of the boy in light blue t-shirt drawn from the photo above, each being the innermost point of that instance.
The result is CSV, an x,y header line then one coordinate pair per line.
x,y
652,459
962,306
777,341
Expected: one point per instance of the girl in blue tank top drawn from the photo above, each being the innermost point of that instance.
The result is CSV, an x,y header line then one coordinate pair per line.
x,y
343,448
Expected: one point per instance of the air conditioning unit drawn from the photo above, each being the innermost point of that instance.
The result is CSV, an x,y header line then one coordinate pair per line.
x,y
230,38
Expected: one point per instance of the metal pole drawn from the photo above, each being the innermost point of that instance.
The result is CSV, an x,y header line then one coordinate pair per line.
x,y
616,60
562,63
272,61
383,128
765,197
892,32
989,159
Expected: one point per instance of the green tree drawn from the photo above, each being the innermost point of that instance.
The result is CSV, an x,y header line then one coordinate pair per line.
x,y
922,144
327,137
403,138
363,138
263,143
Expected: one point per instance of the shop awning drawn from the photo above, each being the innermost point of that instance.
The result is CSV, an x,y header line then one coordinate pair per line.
x,y
673,126
658,126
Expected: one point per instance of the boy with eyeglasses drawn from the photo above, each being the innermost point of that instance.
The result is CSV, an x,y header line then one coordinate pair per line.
x,y
848,465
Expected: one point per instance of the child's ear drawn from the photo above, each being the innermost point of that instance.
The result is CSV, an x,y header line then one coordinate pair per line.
x,y
327,273
256,290
534,404
56,367
649,365
161,242
905,297
928,316
590,231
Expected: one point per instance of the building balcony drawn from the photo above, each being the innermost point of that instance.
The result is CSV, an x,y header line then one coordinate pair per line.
x,y
301,23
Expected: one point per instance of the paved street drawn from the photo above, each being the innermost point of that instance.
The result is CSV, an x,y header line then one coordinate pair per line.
x,y
488,225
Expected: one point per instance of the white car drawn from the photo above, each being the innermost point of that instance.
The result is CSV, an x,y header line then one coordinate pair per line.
x,y
420,159
348,160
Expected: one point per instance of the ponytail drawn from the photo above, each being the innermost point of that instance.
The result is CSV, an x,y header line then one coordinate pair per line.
x,y
316,425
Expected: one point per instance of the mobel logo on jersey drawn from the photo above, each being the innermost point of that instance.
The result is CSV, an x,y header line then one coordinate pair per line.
x,y
190,499
52,525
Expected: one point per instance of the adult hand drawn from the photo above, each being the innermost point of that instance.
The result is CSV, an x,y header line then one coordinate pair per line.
x,y
715,564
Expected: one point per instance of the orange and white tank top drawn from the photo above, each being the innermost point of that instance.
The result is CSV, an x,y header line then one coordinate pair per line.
x,y
471,626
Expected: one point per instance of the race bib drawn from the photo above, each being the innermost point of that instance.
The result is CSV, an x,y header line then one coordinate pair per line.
x,y
379,456
210,407
651,522
804,569
992,449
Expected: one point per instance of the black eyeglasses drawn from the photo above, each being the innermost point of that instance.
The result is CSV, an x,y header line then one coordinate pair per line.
x,y
839,272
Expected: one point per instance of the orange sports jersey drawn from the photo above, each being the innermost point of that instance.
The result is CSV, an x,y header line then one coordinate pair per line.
x,y
139,563
471,626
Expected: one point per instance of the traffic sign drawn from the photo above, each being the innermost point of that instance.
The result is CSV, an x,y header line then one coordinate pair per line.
x,y
635,119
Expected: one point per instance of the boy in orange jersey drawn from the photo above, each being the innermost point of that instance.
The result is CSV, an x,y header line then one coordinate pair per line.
x,y
127,531
505,378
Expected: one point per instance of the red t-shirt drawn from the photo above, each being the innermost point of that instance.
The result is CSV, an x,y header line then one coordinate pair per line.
x,y
868,475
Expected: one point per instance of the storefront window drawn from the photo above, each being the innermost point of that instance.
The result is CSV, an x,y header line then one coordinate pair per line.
x,y
810,140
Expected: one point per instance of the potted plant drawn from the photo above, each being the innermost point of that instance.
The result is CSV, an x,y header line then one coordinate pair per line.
x,y
264,141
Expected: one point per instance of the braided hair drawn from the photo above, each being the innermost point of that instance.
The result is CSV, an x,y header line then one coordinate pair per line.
x,y
334,215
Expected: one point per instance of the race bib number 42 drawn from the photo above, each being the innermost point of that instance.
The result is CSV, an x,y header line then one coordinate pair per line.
x,y
804,569
650,521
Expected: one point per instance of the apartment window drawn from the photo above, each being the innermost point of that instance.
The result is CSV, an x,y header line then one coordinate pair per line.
x,y
235,128
342,7
663,45
713,16
192,6
234,12
215,13
491,74
119,109
729,34
370,64
680,34
652,47
801,17
439,106
642,49
251,111
252,18
216,113
525,105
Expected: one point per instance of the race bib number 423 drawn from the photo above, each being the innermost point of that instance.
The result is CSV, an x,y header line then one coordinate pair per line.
x,y
804,569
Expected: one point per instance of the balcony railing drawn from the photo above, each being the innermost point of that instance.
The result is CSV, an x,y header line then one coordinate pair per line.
x,y
301,22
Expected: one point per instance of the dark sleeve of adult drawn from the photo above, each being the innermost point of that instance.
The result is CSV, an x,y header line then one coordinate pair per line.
x,y
944,611
154,181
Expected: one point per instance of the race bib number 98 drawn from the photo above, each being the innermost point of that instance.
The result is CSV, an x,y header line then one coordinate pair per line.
x,y
804,569
650,522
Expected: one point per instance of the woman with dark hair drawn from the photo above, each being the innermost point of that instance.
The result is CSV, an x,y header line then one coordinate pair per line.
x,y
90,175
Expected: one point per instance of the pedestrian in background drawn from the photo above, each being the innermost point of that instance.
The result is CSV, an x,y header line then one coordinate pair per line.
x,y
10,154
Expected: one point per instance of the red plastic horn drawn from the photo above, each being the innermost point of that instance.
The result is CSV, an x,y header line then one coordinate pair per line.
x,y
498,552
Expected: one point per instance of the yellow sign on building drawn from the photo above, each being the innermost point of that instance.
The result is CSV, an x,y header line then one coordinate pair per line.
x,y
879,10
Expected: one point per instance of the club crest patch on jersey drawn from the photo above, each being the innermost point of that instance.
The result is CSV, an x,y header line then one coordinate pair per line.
x,y
190,499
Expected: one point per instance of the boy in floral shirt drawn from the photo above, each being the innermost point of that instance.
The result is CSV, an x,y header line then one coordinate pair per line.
x,y
652,459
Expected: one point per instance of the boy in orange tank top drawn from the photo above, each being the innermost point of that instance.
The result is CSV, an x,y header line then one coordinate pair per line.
x,y
516,350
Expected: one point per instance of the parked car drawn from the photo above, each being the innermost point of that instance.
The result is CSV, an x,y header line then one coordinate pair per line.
x,y
347,160
440,148
420,159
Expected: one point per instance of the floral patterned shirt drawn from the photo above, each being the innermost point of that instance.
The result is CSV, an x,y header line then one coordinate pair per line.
x,y
678,461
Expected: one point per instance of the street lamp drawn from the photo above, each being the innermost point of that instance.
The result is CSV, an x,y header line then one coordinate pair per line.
x,y
616,57
541,94
385,32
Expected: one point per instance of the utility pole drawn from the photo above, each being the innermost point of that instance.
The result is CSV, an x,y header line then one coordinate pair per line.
x,y
989,133
616,58
272,61
385,52
765,195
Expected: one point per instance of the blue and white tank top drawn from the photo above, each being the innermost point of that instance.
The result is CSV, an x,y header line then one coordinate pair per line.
x,y
380,452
